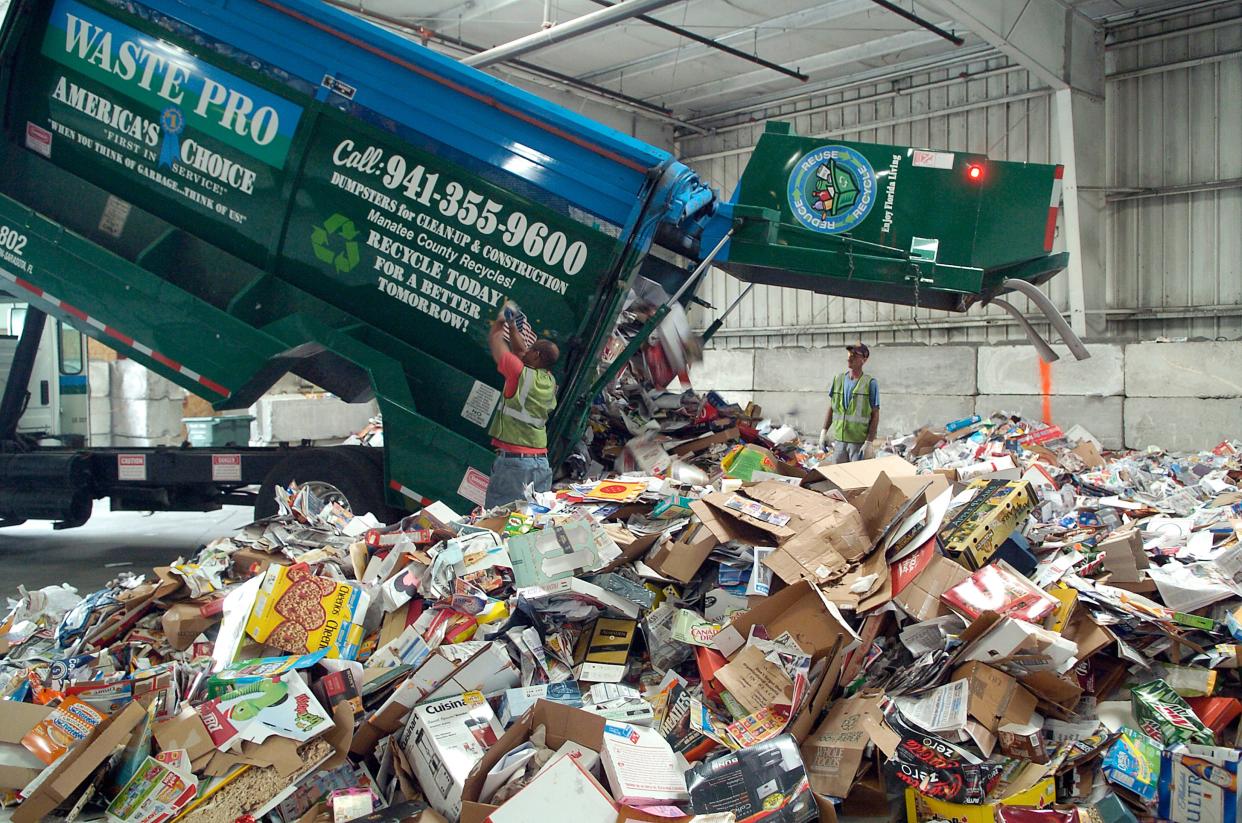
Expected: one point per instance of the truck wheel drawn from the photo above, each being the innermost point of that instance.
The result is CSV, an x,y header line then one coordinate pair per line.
x,y
333,473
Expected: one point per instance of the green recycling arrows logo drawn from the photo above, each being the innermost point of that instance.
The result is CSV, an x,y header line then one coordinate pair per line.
x,y
321,241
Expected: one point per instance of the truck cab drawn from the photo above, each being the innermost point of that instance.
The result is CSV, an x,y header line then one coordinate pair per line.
x,y
56,408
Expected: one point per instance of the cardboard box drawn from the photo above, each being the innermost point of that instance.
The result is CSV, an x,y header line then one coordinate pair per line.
x,y
447,665
1003,642
705,442
1200,783
834,752
1024,741
996,698
563,790
925,441
576,589
443,740
977,529
641,767
920,578
489,671
183,622
763,782
299,612
562,723
633,546
557,552
18,766
801,610
72,770
681,559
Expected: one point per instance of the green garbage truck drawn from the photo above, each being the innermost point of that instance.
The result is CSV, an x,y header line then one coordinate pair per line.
x,y
229,192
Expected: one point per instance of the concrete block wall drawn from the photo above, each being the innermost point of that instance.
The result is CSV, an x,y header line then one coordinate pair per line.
x,y
132,406
293,417
1179,396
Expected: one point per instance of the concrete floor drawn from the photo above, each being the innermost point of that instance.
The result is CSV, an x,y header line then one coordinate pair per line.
x,y
34,555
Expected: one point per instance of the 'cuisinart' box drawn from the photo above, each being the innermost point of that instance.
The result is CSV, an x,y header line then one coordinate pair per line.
x,y
443,740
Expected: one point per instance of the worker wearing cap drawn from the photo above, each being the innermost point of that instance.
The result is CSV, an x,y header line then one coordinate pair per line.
x,y
853,408
518,426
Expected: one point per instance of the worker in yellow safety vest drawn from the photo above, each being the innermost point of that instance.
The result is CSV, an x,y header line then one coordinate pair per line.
x,y
853,408
518,424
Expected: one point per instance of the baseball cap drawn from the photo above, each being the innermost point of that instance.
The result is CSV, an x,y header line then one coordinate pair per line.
x,y
861,348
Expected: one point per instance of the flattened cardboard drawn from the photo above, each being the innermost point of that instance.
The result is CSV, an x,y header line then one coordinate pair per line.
x,y
774,532
834,752
71,770
851,478
18,766
754,681
705,442
1124,557
801,610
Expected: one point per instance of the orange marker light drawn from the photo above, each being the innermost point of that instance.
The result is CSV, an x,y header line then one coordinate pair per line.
x,y
975,172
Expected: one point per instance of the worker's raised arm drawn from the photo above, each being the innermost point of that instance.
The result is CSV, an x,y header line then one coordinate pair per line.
x,y
496,340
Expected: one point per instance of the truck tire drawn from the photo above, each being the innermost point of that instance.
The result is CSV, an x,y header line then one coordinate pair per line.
x,y
358,478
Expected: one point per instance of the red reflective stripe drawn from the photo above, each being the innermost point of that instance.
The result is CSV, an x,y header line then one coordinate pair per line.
x,y
408,492
119,335
1058,172
214,386
76,312
482,98
1050,229
167,361
28,286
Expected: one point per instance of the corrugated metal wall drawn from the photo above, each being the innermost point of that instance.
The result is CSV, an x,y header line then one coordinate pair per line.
x,y
1174,119
1167,124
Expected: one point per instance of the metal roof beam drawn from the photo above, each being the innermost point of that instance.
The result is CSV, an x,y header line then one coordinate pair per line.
x,y
563,31
773,30
818,63
1062,47
713,44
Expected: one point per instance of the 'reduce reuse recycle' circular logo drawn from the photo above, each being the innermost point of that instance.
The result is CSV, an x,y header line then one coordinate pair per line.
x,y
832,189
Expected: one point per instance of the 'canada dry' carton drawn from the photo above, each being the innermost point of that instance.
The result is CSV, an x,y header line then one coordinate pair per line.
x,y
443,740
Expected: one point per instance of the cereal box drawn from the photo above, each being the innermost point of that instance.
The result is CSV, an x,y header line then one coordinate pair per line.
x,y
299,612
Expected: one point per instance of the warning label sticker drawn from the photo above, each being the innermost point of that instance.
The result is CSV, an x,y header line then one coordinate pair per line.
x,y
226,468
933,159
131,467
480,404
474,486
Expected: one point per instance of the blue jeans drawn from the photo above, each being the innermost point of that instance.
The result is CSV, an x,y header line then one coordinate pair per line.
x,y
510,474
848,452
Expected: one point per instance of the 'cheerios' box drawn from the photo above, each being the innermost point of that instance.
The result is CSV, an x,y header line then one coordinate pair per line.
x,y
299,612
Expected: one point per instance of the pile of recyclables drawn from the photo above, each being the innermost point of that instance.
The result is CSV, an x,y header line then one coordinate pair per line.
x,y
999,621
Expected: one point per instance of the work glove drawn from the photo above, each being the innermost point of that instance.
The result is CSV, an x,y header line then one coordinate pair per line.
x,y
823,439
